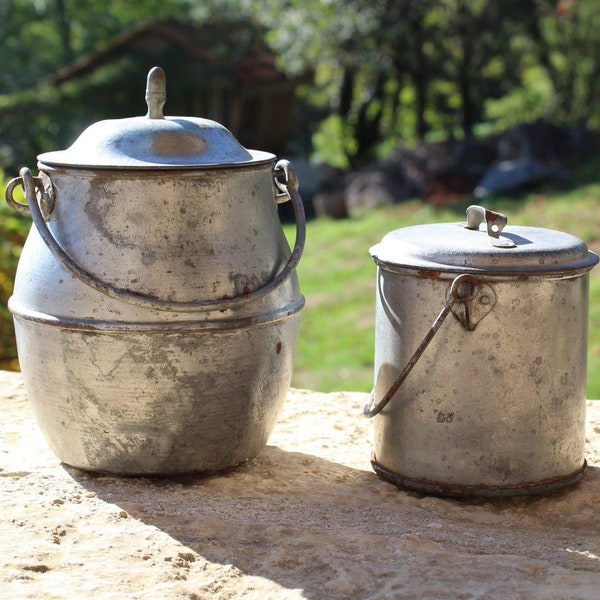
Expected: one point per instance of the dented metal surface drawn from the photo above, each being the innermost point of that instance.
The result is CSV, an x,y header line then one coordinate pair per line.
x,y
157,307
495,404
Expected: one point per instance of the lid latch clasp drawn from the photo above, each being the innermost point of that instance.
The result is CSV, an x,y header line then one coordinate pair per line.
x,y
494,221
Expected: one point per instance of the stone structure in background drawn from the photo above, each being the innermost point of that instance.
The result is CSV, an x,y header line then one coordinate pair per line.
x,y
439,172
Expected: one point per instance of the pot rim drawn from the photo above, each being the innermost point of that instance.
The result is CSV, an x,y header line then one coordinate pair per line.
x,y
259,159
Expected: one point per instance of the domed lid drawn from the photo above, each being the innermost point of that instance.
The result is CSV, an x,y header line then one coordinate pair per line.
x,y
465,247
154,141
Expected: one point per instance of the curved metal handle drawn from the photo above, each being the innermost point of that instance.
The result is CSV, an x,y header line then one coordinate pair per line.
x,y
11,186
456,294
29,185
286,181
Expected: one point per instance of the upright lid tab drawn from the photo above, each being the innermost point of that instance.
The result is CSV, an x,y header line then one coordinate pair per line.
x,y
155,141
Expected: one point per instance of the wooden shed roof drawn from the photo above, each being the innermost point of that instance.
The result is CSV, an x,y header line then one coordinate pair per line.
x,y
233,47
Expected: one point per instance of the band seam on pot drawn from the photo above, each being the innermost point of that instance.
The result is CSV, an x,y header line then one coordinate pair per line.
x,y
159,326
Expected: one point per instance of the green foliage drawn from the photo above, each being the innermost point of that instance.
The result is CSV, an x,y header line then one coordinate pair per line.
x,y
13,231
522,104
337,277
332,142
569,50
39,37
403,70
385,71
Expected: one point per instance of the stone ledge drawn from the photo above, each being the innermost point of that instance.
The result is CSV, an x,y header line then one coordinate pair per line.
x,y
306,519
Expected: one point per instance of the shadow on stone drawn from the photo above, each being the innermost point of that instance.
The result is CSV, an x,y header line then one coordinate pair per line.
x,y
308,523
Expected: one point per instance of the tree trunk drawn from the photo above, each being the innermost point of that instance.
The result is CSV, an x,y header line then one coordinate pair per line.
x,y
464,72
420,74
64,31
420,81
367,129
346,92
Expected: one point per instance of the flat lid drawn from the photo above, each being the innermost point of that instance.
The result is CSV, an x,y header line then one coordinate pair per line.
x,y
155,141
462,247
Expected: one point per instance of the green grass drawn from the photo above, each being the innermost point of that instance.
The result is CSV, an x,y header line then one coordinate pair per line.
x,y
337,276
13,230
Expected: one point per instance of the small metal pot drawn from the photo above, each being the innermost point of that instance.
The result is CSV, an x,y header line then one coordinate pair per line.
x,y
480,357
156,302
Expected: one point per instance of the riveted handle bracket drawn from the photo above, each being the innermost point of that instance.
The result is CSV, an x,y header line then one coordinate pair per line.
x,y
464,290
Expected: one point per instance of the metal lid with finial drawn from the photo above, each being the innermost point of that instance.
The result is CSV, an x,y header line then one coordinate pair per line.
x,y
155,141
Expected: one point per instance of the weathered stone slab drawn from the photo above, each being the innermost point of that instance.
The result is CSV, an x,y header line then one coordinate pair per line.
x,y
306,519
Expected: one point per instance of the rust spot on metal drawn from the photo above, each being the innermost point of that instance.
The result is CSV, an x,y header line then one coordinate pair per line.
x,y
429,274
449,490
491,216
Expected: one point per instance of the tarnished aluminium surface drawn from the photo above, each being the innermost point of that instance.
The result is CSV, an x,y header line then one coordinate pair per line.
x,y
495,405
157,309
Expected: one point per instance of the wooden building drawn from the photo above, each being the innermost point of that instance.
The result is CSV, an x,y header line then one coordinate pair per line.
x,y
217,70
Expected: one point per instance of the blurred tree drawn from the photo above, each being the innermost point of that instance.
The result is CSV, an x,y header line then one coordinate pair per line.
x,y
476,56
39,37
564,38
386,70
364,53
399,69
64,31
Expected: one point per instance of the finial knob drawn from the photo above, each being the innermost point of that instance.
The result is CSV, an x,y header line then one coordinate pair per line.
x,y
156,93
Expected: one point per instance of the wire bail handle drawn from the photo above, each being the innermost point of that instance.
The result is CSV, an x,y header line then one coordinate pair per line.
x,y
41,199
463,290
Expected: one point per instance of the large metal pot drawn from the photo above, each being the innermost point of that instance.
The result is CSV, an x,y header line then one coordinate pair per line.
x,y
156,302
480,357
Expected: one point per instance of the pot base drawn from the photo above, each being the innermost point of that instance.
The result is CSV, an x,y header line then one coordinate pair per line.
x,y
451,490
179,475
